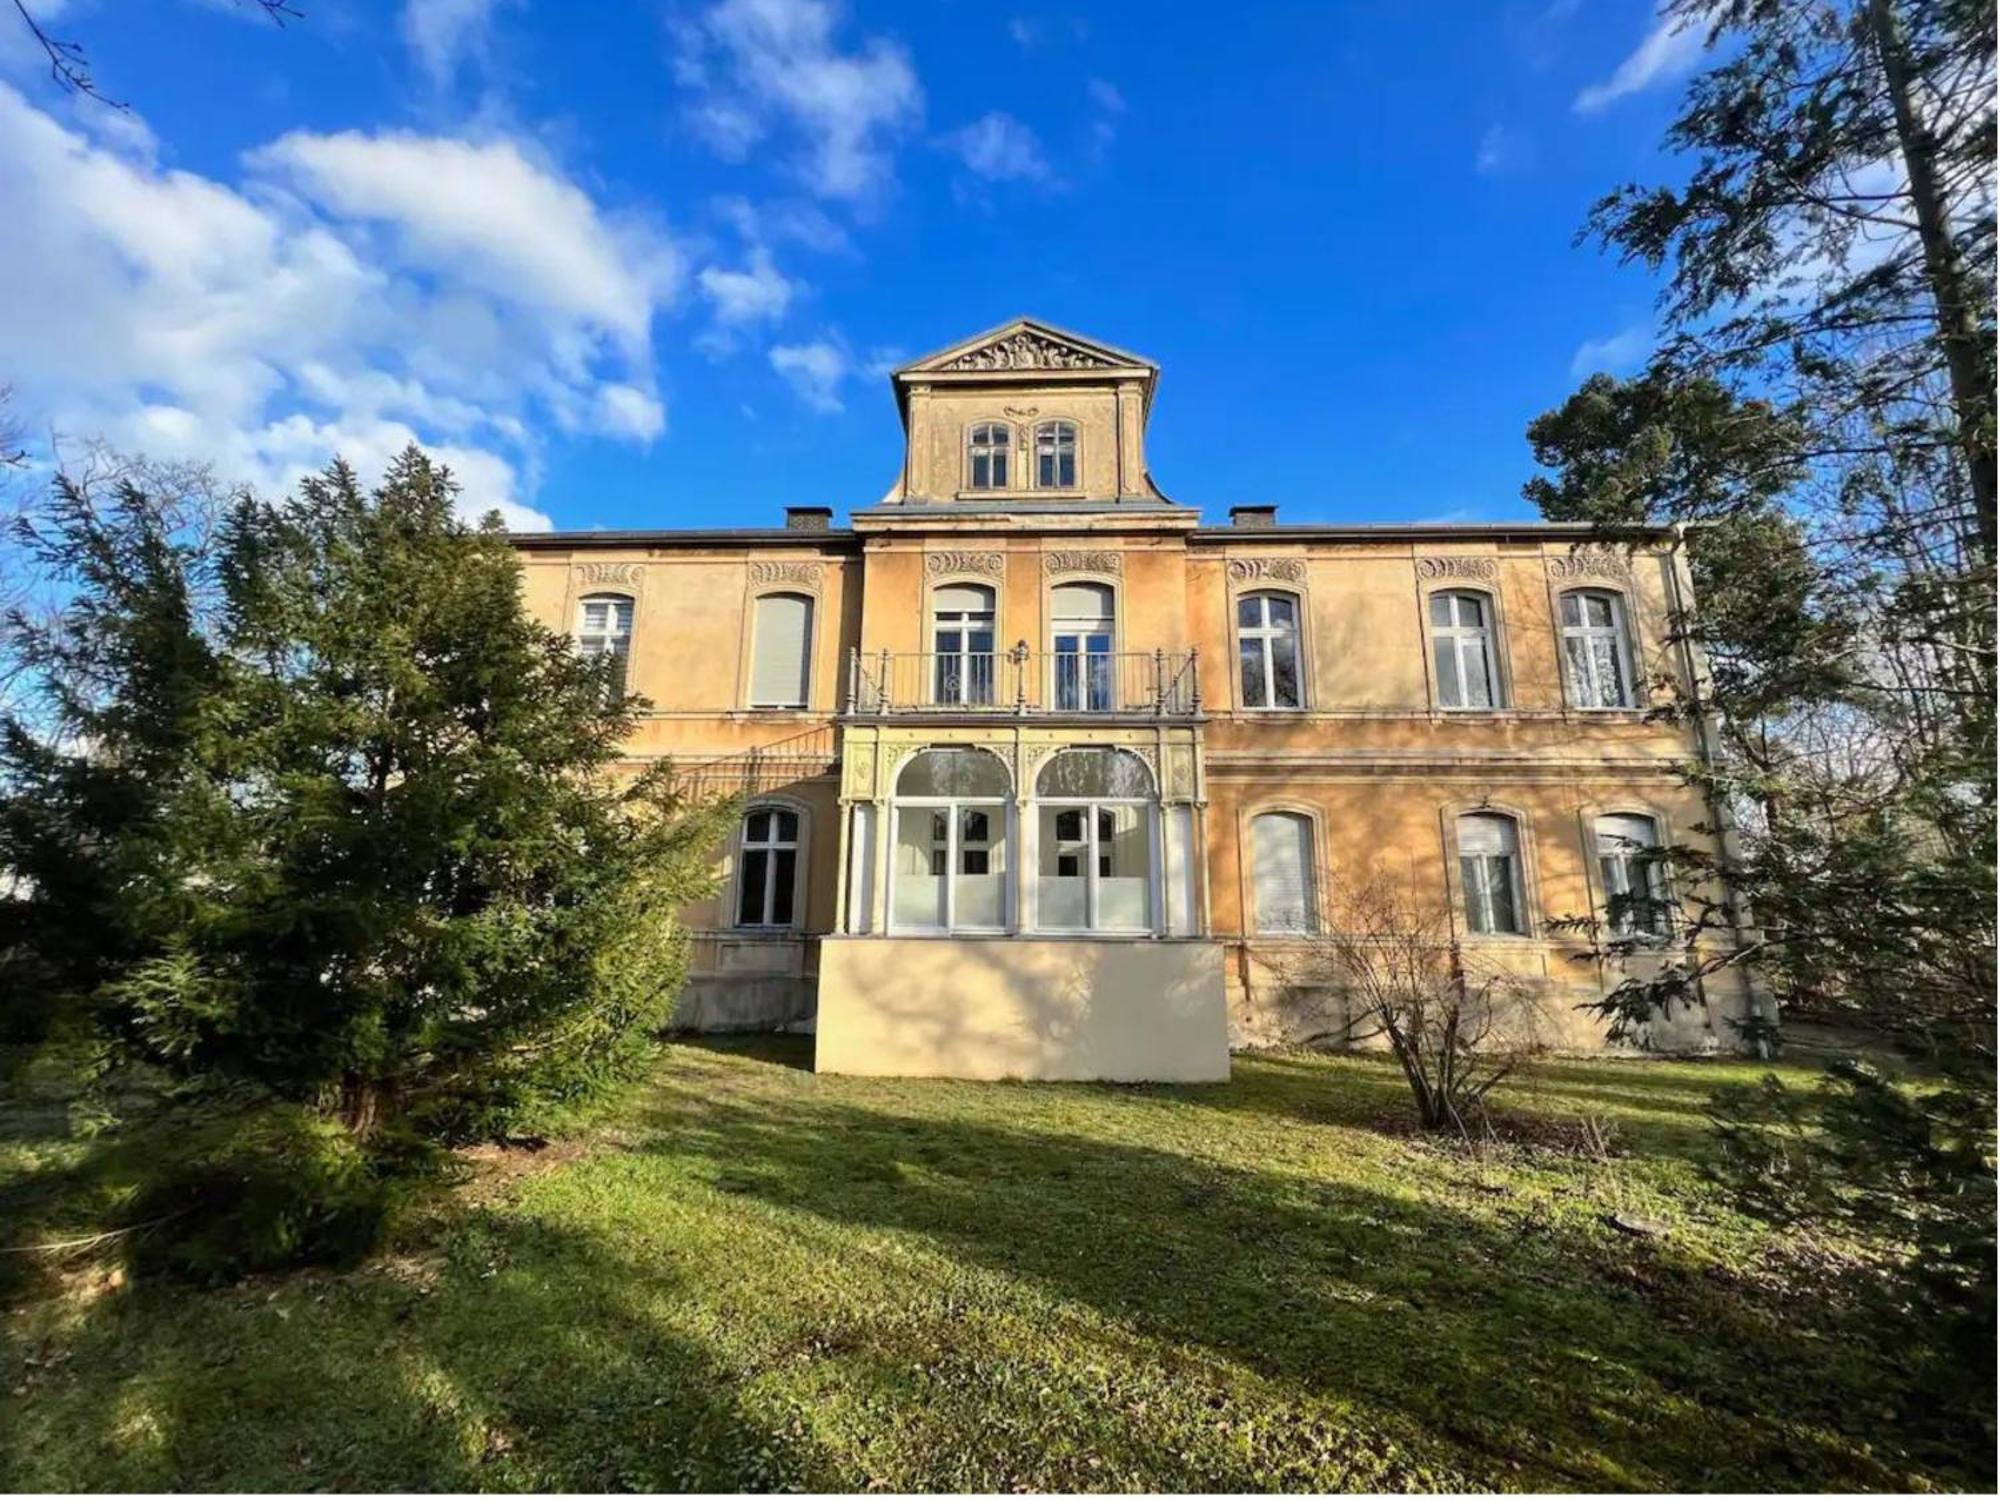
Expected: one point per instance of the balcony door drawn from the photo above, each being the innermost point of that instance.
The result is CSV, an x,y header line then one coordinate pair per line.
x,y
1082,635
962,645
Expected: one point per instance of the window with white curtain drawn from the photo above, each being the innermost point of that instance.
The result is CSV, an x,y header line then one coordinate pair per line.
x,y
604,628
948,871
987,445
768,868
962,644
1081,635
781,651
1635,876
1267,647
1489,871
1281,858
1095,809
1462,650
1597,654
1055,456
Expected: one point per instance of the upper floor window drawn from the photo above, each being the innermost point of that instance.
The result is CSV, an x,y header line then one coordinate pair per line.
x,y
768,868
781,651
605,629
1081,626
1055,456
1462,648
962,644
1267,647
989,444
1635,879
1597,656
1281,854
1489,872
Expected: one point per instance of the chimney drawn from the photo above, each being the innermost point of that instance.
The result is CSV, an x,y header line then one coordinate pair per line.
x,y
1253,517
808,517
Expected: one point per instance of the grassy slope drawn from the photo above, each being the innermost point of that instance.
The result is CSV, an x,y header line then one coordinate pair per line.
x,y
756,1277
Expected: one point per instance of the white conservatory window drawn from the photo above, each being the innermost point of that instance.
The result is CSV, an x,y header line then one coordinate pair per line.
x,y
1635,879
768,870
1095,810
949,871
604,628
1267,647
1281,854
1597,657
1489,870
1462,650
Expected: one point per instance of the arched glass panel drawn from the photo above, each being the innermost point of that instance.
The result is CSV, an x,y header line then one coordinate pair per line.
x,y
953,773
1094,774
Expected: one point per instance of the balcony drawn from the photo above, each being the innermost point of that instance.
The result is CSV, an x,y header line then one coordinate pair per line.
x,y
1135,684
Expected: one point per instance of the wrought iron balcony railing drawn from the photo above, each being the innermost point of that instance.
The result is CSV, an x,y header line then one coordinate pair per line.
x,y
1156,683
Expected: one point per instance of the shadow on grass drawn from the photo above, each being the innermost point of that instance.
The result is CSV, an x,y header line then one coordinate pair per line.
x,y
779,1048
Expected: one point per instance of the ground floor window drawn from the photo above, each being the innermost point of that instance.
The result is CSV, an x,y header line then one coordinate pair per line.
x,y
949,870
1095,830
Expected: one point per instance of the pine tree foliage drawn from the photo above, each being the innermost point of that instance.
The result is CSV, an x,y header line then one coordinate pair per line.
x,y
314,813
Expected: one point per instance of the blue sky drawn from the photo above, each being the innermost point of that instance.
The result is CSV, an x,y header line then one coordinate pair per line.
x,y
632,264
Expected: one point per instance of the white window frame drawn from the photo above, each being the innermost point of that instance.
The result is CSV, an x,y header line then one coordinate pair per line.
x,y
1516,872
1149,827
771,847
1265,635
981,442
1082,659
1007,842
595,643
1462,640
1056,441
1618,633
1627,862
965,622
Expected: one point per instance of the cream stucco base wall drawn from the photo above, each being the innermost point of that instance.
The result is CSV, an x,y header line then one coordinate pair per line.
x,y
1017,1007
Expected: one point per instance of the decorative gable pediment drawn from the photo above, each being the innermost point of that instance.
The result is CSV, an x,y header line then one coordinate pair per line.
x,y
1024,345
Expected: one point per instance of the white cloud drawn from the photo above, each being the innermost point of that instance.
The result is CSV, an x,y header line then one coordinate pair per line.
x,y
351,294
1670,49
1000,148
447,34
1622,351
1027,34
1105,96
759,293
761,66
1497,151
815,371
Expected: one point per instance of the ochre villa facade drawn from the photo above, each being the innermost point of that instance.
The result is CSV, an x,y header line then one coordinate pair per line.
x,y
1044,778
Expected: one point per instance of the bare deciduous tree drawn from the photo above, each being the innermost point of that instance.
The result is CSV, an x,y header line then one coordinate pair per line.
x,y
1388,968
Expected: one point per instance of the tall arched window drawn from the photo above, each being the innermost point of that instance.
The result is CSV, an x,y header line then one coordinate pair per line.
x,y
1082,629
950,856
1095,831
767,875
1462,650
1635,877
1267,648
962,644
604,628
781,651
1281,857
1489,871
987,445
1055,456
1597,655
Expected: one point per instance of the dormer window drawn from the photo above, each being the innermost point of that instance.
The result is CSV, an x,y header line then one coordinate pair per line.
x,y
1055,456
989,442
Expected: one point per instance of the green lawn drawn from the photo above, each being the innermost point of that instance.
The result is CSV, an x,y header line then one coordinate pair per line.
x,y
753,1277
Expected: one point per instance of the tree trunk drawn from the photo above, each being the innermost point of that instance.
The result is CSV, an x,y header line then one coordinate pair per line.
x,y
366,1105
1957,319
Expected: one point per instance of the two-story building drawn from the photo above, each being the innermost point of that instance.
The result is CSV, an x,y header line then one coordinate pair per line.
x,y
1043,777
